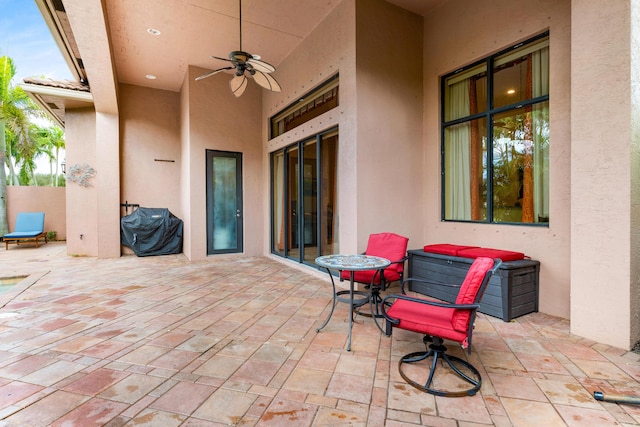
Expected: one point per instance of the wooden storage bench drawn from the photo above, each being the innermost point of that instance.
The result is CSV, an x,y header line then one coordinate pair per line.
x,y
512,291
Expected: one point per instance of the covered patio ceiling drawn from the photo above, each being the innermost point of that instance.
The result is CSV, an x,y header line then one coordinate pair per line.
x,y
161,38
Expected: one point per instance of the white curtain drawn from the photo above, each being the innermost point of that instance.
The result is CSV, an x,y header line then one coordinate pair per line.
x,y
457,155
540,84
278,200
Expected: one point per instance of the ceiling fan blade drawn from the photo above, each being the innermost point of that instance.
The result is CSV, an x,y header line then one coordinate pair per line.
x,y
211,73
260,65
238,84
221,59
266,81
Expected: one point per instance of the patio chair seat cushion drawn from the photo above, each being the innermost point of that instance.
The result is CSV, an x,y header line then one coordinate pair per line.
x,y
22,234
28,225
366,276
426,319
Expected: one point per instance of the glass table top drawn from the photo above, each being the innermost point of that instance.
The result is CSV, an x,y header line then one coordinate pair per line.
x,y
352,262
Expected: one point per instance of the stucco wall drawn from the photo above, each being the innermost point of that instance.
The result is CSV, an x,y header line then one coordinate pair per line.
x,y
389,121
50,200
605,154
185,144
217,120
150,155
329,49
457,36
635,173
82,202
379,116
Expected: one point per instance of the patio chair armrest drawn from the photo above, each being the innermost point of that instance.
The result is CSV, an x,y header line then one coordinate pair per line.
x,y
430,302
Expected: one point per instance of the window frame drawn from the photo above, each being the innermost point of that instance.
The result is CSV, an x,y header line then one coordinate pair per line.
x,y
488,114
317,101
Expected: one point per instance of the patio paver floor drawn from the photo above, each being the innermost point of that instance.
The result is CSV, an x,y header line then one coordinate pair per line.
x,y
163,341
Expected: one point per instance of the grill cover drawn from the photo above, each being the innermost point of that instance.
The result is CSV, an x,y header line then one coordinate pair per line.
x,y
152,231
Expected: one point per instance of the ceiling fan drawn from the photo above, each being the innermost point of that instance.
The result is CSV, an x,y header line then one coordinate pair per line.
x,y
245,63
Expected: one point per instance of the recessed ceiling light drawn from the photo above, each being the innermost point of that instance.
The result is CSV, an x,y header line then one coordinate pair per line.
x,y
151,76
153,31
511,91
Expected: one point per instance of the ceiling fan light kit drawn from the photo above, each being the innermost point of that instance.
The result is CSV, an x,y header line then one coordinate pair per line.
x,y
243,63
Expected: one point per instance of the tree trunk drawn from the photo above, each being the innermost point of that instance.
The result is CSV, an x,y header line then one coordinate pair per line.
x,y
4,229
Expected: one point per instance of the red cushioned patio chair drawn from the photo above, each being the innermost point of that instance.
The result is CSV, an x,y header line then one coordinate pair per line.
x,y
386,245
440,321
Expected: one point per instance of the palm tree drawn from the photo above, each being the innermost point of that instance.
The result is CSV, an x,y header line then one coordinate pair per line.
x,y
57,140
7,71
49,142
10,143
15,110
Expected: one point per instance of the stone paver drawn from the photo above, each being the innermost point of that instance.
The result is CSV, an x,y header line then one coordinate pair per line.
x,y
163,341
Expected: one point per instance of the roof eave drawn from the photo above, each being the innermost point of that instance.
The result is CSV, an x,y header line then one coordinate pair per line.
x,y
38,92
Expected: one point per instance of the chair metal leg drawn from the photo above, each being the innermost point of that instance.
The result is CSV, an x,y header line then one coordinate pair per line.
x,y
440,359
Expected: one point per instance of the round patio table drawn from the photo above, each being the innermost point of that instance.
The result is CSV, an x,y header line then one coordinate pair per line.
x,y
349,263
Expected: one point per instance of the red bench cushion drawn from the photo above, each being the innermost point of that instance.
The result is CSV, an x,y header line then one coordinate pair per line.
x,y
491,253
446,249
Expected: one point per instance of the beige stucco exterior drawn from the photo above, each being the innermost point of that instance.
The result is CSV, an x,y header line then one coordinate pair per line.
x,y
390,62
50,200
604,170
485,32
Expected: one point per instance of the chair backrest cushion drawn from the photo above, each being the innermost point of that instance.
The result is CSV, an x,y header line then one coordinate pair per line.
x,y
29,221
390,246
469,291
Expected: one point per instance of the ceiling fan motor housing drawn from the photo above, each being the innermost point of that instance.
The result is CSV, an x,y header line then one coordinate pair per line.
x,y
238,55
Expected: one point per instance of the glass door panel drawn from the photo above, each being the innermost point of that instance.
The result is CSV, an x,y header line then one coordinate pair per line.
x,y
328,194
293,219
310,202
224,202
277,203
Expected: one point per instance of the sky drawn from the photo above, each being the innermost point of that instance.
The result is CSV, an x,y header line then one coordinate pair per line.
x,y
26,39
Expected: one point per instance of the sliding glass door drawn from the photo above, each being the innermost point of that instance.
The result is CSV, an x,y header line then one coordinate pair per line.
x,y
304,198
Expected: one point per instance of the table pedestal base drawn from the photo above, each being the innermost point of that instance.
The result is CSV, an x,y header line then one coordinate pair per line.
x,y
354,298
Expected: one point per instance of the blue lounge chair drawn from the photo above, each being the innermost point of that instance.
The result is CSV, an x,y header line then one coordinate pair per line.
x,y
29,226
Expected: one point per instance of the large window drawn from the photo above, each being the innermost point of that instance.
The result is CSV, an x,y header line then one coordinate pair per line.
x,y
308,107
495,135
